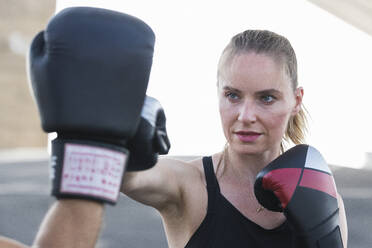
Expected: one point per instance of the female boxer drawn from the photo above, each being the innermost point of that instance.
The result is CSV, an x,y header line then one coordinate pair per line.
x,y
211,202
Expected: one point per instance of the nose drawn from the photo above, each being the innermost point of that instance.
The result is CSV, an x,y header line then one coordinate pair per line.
x,y
247,112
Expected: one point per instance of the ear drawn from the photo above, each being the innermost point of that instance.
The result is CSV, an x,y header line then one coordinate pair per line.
x,y
299,94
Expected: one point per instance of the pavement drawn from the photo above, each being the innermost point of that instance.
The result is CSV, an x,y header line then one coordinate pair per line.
x,y
24,199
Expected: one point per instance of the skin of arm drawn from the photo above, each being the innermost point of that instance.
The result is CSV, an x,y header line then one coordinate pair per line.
x,y
9,243
70,223
176,189
343,222
159,187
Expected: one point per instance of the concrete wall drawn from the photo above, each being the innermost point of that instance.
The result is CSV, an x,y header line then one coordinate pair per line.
x,y
20,20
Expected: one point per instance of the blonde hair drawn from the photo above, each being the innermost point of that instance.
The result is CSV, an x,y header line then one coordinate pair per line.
x,y
280,49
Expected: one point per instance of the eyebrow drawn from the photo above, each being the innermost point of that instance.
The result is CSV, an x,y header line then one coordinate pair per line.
x,y
261,92
269,92
228,88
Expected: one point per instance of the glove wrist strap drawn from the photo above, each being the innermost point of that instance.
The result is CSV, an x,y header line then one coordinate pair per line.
x,y
85,169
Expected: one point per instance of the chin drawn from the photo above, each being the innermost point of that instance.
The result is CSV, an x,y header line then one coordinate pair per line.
x,y
248,149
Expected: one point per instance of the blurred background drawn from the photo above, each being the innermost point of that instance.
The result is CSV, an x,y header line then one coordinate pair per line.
x,y
333,42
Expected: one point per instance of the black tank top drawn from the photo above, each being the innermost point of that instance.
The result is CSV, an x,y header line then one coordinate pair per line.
x,y
224,226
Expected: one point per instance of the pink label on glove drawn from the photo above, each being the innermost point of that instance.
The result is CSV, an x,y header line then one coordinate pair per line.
x,y
91,170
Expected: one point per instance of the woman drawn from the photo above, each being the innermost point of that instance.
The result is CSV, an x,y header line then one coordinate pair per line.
x,y
260,105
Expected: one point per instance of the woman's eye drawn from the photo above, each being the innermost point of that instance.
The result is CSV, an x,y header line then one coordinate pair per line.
x,y
232,95
267,99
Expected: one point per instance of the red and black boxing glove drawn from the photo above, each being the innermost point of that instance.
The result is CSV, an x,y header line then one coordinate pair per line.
x,y
300,184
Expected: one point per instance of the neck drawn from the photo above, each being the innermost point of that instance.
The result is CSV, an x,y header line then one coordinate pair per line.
x,y
246,166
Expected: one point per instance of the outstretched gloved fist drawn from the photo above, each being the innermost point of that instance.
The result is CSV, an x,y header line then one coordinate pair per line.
x,y
89,71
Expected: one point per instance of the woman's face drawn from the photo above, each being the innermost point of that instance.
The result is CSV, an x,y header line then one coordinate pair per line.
x,y
256,100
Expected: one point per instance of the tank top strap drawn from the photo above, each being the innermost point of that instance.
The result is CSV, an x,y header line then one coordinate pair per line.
x,y
213,187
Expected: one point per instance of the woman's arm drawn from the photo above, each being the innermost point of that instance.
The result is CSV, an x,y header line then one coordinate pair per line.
x,y
161,186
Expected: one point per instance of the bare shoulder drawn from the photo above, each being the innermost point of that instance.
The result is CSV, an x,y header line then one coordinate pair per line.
x,y
181,222
185,168
163,186
195,165
188,174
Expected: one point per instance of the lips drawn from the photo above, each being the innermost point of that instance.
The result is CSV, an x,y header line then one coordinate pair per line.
x,y
247,136
247,133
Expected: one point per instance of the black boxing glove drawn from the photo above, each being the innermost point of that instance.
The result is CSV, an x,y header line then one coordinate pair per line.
x,y
89,72
151,138
300,184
